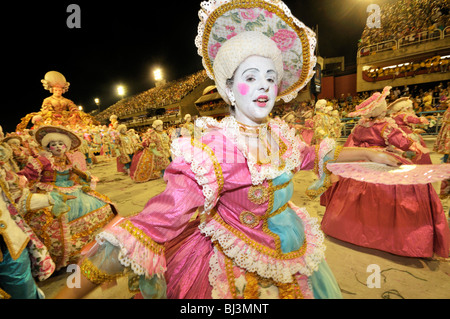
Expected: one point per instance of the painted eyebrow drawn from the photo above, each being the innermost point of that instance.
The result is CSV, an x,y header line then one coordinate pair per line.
x,y
251,69
257,70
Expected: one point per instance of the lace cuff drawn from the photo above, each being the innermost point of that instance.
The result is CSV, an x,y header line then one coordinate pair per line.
x,y
326,152
101,264
136,249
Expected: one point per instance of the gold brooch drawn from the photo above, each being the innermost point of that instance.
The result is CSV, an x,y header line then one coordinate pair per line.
x,y
249,219
258,194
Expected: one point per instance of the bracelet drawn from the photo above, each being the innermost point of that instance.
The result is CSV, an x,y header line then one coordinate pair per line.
x,y
95,275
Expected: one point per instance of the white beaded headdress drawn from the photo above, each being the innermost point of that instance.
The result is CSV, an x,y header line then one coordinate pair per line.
x,y
221,20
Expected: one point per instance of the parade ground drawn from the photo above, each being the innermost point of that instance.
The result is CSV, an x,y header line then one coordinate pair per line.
x,y
362,273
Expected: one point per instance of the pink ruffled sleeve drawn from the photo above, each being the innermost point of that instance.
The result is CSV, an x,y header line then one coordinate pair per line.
x,y
32,171
399,139
327,151
141,237
413,119
193,181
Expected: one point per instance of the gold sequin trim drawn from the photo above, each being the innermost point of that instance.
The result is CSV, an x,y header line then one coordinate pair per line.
x,y
266,229
110,216
254,281
142,237
95,275
313,193
4,294
278,254
230,274
251,290
290,290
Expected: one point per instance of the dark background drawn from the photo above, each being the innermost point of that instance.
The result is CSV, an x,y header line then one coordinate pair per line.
x,y
122,42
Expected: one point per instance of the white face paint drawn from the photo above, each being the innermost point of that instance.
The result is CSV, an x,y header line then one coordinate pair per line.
x,y
57,148
255,89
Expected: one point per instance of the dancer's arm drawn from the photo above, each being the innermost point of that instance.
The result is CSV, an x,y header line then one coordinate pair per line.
x,y
86,286
352,154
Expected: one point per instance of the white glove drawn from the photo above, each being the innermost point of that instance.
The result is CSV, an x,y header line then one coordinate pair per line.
x,y
39,201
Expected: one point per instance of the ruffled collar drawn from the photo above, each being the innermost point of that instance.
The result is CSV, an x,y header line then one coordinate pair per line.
x,y
57,165
287,159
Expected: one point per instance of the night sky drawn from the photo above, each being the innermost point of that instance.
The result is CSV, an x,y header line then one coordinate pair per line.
x,y
121,42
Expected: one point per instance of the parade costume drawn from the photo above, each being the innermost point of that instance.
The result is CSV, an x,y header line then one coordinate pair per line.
x,y
401,110
248,240
23,256
323,122
406,220
152,160
306,131
56,109
20,154
442,144
78,211
126,148
249,231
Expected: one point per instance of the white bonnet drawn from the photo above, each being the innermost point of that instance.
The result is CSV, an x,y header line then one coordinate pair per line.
x,y
400,104
234,51
321,105
377,111
156,123
374,106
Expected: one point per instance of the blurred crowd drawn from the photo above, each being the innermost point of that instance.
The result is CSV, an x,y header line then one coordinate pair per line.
x,y
408,21
425,99
167,94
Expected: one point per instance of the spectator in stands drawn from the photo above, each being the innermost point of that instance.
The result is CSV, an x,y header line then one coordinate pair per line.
x,y
405,91
349,99
427,101
407,21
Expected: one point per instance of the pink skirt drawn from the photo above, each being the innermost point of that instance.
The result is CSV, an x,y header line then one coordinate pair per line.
x,y
188,265
406,220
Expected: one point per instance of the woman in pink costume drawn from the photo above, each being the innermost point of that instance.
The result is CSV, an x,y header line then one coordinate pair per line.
x,y
249,240
442,144
405,220
401,110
